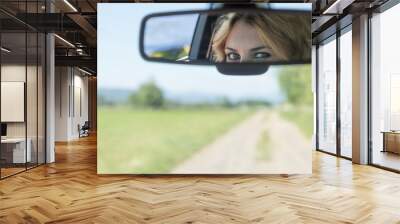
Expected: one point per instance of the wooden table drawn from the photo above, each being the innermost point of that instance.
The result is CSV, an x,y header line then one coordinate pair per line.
x,y
391,141
16,154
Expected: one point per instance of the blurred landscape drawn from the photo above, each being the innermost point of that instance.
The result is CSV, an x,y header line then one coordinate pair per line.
x,y
152,130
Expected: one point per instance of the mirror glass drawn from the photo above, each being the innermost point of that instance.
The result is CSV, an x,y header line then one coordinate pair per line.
x,y
234,36
163,40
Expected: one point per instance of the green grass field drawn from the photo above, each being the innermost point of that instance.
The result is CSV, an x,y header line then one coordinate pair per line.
x,y
155,141
302,116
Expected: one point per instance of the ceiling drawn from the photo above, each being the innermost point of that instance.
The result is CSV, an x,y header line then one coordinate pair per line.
x,y
75,22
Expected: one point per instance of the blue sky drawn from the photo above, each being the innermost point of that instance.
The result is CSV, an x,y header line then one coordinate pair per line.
x,y
160,33
120,65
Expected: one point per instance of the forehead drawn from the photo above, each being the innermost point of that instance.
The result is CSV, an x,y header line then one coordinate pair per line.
x,y
243,36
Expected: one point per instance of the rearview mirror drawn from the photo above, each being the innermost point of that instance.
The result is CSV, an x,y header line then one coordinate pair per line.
x,y
228,38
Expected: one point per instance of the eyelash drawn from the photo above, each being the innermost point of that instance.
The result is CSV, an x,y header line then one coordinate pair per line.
x,y
263,55
233,53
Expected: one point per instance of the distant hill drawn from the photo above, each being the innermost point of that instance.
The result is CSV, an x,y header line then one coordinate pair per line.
x,y
120,96
115,96
192,97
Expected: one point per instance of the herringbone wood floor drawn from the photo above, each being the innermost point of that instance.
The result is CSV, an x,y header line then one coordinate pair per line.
x,y
69,191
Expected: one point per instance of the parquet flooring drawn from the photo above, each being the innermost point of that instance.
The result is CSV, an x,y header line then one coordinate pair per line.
x,y
70,191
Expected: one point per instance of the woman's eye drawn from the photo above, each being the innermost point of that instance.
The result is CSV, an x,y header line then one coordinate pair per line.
x,y
262,55
233,56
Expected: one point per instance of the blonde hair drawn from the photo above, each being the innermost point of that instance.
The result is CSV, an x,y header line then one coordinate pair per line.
x,y
289,36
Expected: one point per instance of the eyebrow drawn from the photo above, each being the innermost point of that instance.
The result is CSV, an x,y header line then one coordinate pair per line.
x,y
252,49
258,48
232,49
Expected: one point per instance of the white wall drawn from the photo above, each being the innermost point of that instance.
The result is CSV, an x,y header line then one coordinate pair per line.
x,y
62,81
80,104
12,101
17,73
71,93
10,73
34,125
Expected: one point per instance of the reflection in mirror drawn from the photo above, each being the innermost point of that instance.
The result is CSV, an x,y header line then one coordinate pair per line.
x,y
170,37
209,37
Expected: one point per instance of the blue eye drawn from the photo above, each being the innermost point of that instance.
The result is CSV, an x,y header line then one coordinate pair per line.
x,y
262,55
232,56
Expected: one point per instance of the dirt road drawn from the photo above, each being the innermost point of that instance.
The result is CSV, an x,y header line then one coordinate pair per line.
x,y
235,152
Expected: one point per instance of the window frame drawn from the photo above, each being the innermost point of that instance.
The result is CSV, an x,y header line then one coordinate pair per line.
x,y
347,27
27,29
379,10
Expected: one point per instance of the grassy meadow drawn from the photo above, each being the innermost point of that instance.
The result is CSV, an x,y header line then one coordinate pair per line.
x,y
302,116
155,141
146,131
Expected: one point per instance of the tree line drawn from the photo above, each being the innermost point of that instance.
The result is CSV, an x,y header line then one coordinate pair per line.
x,y
296,84
294,81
